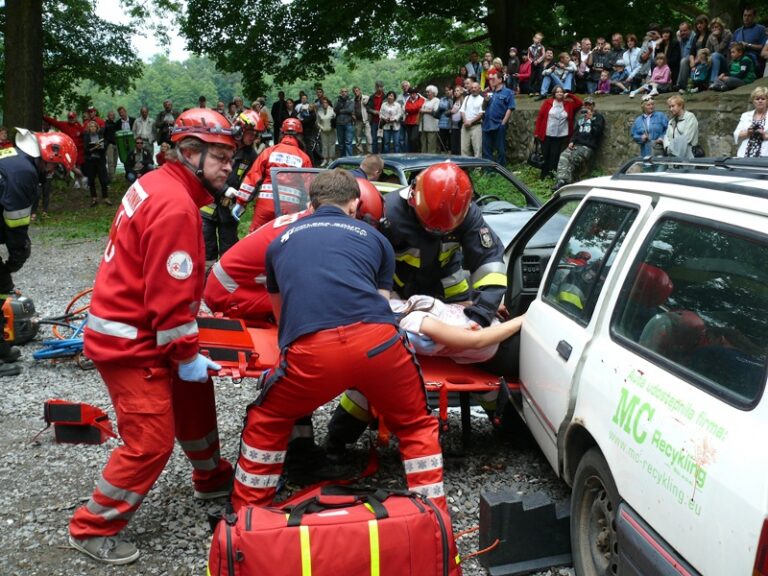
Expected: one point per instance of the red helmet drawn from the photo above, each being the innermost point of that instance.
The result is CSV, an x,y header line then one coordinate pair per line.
x,y
71,116
441,197
204,124
57,148
371,206
291,126
250,119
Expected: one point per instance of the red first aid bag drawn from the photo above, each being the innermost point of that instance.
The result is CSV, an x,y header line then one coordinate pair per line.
x,y
378,533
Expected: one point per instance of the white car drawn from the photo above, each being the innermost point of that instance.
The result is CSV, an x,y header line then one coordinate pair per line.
x,y
643,364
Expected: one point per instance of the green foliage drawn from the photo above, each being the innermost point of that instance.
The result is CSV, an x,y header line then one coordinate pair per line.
x,y
184,82
77,44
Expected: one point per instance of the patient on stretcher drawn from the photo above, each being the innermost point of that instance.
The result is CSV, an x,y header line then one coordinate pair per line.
x,y
436,328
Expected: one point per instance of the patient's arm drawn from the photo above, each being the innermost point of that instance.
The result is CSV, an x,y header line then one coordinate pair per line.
x,y
465,338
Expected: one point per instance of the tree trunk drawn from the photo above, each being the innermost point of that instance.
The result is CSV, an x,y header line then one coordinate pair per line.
x,y
505,29
729,11
23,97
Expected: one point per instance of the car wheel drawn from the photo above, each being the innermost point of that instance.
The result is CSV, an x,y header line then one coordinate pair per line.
x,y
594,505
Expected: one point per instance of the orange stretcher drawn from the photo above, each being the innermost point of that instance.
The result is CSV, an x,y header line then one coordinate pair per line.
x,y
246,351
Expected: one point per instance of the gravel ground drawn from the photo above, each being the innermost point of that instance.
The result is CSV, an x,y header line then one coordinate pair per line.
x,y
43,482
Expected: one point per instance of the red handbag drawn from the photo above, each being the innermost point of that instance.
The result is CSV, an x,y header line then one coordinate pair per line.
x,y
337,531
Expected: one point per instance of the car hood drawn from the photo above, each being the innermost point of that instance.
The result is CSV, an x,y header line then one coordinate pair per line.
x,y
506,221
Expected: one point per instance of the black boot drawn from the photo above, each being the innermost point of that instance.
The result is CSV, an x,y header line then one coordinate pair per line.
x,y
8,354
9,369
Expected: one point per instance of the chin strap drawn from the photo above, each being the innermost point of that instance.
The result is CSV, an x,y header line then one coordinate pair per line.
x,y
198,171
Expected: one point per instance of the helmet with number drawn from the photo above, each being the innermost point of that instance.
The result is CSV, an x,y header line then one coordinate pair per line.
x,y
53,147
291,126
441,196
371,206
250,119
204,124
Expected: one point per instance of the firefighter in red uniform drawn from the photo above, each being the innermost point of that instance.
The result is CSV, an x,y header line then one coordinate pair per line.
x,y
236,286
329,345
142,336
258,181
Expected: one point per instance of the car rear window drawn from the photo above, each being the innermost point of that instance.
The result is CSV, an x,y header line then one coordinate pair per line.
x,y
696,302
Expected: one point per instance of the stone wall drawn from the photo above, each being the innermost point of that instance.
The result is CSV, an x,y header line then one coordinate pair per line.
x,y
717,112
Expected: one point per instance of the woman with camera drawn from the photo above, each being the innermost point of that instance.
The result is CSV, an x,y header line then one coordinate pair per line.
x,y
750,132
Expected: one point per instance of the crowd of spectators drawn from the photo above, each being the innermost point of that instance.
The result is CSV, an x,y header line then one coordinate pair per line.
x,y
469,116
692,57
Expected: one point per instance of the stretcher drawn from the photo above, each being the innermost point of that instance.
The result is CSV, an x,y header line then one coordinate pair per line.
x,y
247,351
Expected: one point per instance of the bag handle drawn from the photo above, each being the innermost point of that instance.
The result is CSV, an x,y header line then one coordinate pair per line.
x,y
317,504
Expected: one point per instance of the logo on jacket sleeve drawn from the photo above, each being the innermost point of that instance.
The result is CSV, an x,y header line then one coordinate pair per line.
x,y
179,265
486,239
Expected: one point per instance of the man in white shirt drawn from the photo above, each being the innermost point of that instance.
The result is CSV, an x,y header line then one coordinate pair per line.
x,y
471,119
143,127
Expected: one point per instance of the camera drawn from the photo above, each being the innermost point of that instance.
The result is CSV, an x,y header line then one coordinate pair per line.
x,y
755,127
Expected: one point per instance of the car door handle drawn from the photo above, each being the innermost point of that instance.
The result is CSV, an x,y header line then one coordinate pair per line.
x,y
564,349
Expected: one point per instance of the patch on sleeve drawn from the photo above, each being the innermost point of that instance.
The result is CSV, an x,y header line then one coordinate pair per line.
x,y
486,238
179,265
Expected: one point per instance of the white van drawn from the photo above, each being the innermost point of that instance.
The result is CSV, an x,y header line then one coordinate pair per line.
x,y
643,364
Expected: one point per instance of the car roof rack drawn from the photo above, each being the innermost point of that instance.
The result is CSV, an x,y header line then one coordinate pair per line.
x,y
729,165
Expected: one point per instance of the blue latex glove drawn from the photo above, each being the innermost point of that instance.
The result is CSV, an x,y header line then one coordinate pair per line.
x,y
422,344
237,211
197,369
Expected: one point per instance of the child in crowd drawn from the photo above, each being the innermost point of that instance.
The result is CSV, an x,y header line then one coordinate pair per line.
x,y
559,75
741,72
604,84
701,69
619,78
524,74
160,157
536,54
513,70
659,81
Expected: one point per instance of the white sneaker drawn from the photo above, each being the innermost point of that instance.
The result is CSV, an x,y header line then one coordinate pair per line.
x,y
632,93
76,186
653,92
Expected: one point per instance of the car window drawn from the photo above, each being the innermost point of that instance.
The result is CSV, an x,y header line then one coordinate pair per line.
x,y
585,257
488,181
293,191
696,300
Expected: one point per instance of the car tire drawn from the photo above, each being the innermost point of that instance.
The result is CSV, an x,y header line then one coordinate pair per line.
x,y
594,507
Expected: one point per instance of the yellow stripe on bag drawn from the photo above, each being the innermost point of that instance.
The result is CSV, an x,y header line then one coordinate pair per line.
x,y
373,536
306,555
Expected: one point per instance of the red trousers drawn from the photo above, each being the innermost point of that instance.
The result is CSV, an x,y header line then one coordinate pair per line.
x,y
263,212
153,407
375,359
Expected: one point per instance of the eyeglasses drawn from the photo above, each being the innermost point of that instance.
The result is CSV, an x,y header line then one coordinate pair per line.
x,y
221,158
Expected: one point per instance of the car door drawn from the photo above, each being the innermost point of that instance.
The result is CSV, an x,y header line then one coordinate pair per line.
x,y
560,322
671,388
292,188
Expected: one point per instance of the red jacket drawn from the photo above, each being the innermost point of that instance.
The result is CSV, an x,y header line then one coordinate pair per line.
x,y
412,108
571,104
236,286
74,130
149,284
286,154
524,73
